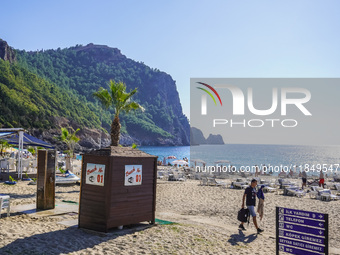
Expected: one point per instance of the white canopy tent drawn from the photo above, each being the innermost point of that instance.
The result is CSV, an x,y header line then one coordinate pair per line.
x,y
19,137
20,131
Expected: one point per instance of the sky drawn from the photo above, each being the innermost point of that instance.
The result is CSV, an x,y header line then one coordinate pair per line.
x,y
189,39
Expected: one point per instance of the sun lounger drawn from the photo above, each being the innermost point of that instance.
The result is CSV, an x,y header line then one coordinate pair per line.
x,y
337,188
269,189
5,204
297,192
212,181
160,175
204,181
326,195
293,191
178,176
314,193
67,178
239,185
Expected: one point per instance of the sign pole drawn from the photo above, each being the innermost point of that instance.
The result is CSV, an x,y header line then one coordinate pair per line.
x,y
326,234
277,231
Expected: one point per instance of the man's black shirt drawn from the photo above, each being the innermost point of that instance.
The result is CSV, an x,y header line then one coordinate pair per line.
x,y
251,196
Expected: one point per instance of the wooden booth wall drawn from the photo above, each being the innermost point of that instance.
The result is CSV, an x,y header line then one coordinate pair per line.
x,y
113,205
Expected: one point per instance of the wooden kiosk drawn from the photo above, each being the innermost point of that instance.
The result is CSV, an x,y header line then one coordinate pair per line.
x,y
118,187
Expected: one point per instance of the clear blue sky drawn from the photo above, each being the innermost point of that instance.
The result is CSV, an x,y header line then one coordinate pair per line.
x,y
189,38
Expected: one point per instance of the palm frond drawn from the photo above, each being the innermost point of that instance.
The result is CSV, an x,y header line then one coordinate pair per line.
x,y
104,97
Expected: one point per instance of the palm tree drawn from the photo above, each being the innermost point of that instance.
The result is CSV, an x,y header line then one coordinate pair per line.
x,y
71,140
120,100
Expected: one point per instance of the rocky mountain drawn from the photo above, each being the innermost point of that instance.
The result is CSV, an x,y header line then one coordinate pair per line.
x,y
215,139
6,52
76,73
197,137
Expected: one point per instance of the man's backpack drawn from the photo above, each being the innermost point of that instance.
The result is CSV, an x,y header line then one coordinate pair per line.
x,y
243,215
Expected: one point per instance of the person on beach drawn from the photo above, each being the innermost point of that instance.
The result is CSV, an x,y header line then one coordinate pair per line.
x,y
250,194
260,207
257,172
322,180
304,178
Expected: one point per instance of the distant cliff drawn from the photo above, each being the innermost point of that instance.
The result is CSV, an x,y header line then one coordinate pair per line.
x,y
197,137
215,139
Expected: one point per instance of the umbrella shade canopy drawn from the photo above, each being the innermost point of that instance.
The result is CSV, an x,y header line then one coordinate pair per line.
x,y
171,157
179,162
222,161
197,161
13,138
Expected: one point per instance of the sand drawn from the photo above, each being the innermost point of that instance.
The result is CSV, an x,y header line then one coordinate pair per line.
x,y
206,217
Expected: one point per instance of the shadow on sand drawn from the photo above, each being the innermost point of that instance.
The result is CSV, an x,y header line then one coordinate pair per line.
x,y
236,239
66,241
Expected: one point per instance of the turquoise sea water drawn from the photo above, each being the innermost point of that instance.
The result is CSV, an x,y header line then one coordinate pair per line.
x,y
179,152
313,157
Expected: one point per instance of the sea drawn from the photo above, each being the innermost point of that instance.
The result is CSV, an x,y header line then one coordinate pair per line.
x,y
279,158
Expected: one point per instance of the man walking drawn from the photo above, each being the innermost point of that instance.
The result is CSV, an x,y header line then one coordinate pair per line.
x,y
322,180
304,179
250,194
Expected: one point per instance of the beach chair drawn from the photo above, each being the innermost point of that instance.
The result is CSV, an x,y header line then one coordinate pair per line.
x,y
26,165
337,189
178,176
204,181
11,163
160,175
212,181
240,184
5,204
269,189
326,195
34,165
4,166
290,190
314,191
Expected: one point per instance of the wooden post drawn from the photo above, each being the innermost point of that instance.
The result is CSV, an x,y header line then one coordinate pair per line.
x,y
46,179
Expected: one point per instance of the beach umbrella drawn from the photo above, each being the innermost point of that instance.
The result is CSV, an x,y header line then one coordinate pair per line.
x,y
179,162
222,161
171,157
197,161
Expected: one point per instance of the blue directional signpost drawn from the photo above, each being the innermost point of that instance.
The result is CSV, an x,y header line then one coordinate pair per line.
x,y
301,232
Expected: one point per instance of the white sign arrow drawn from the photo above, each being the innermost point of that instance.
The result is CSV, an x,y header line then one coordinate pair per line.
x,y
320,232
320,224
320,216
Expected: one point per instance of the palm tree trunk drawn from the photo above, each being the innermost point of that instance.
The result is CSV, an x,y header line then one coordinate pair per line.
x,y
68,163
115,131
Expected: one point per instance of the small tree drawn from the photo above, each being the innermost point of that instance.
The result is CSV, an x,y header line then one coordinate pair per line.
x,y
31,150
120,100
71,140
3,146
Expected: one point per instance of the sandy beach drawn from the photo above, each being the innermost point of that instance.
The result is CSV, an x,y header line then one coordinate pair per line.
x,y
206,218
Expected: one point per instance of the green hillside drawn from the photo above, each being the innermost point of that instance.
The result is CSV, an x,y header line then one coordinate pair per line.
x,y
81,70
29,101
